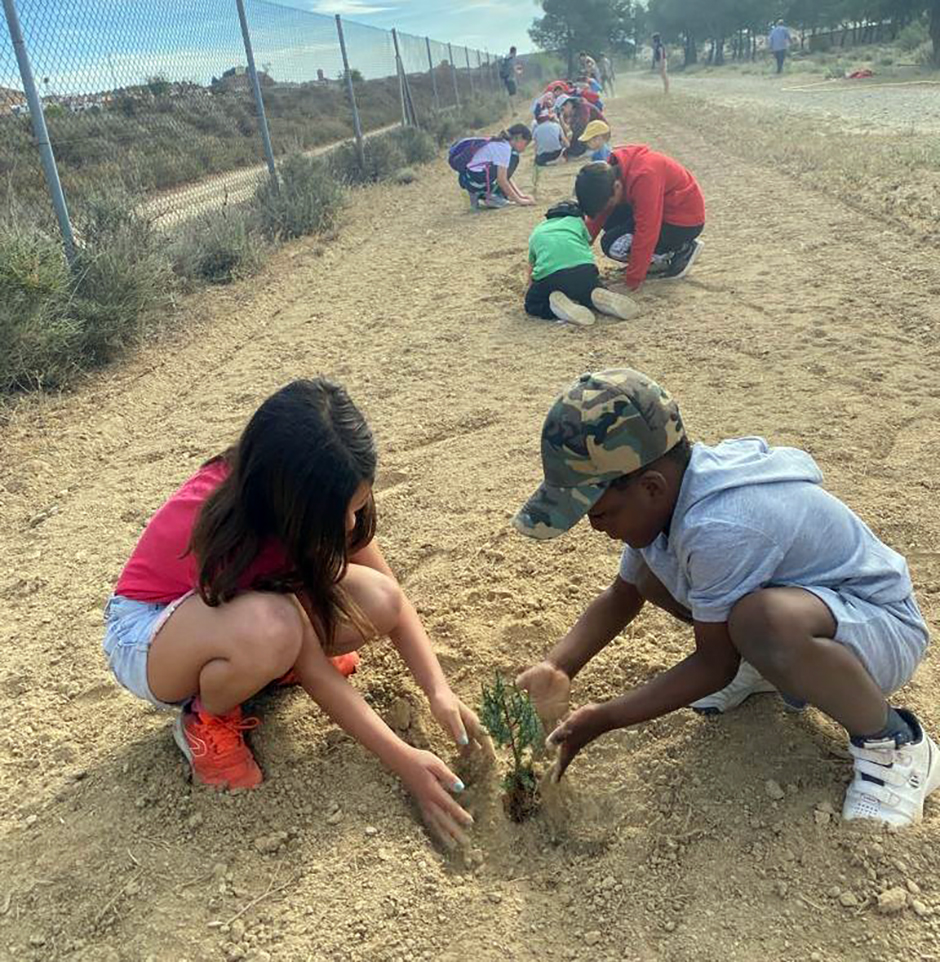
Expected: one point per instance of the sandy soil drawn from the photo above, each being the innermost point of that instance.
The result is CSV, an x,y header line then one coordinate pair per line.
x,y
671,842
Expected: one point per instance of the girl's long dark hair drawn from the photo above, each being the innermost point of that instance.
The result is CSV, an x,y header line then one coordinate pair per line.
x,y
292,475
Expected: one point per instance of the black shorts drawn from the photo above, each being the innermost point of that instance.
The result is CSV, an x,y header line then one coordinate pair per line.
x,y
575,282
621,223
542,159
510,86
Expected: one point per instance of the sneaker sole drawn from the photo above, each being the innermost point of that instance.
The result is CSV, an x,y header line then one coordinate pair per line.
x,y
567,310
179,736
693,257
615,305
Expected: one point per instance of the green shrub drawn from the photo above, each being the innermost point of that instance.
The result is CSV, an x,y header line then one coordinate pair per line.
x,y
913,35
416,145
406,176
445,129
218,247
56,322
383,158
307,202
924,55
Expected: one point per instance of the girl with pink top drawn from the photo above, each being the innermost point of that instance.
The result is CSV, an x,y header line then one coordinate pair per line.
x,y
264,567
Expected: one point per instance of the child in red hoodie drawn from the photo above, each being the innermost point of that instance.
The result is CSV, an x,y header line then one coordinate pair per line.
x,y
650,209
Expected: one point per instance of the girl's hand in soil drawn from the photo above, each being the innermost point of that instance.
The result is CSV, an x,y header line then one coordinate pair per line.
x,y
550,690
431,782
460,722
578,730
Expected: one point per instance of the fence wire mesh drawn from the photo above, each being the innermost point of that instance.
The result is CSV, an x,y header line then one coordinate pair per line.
x,y
154,99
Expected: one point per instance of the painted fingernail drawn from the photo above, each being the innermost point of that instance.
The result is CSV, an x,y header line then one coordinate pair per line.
x,y
463,740
458,786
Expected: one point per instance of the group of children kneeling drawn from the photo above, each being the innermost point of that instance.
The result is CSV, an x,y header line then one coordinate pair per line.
x,y
646,207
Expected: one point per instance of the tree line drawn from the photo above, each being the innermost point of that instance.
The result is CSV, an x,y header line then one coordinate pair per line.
x,y
717,29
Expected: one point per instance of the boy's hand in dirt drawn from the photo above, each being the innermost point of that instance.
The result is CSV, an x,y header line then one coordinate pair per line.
x,y
460,722
550,690
579,729
431,783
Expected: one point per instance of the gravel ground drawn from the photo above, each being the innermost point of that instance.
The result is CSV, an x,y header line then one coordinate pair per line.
x,y
867,104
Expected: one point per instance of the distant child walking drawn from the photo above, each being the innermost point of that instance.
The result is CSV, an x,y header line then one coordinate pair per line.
x,y
485,167
263,567
785,588
564,282
649,208
661,61
550,140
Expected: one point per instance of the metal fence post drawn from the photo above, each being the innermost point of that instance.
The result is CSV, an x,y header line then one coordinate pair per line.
x,y
453,72
401,80
480,76
350,90
466,54
256,87
40,132
437,99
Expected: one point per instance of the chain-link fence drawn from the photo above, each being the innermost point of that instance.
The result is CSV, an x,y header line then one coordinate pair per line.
x,y
159,100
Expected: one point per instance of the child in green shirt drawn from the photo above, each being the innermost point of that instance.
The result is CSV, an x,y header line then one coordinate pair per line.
x,y
564,280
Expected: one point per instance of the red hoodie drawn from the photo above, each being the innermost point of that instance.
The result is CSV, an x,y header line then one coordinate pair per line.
x,y
660,190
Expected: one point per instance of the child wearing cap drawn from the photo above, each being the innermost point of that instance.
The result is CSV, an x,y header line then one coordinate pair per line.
x,y
564,282
784,586
649,210
597,138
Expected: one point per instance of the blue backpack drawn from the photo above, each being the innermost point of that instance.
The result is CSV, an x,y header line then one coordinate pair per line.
x,y
463,151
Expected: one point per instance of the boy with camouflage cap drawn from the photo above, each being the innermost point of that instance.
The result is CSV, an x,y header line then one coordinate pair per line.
x,y
741,541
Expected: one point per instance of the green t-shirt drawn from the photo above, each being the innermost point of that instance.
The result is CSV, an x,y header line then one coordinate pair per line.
x,y
559,243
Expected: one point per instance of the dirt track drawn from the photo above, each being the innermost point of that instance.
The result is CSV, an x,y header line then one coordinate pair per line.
x,y
665,844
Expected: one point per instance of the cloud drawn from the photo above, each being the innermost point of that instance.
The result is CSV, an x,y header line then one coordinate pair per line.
x,y
348,8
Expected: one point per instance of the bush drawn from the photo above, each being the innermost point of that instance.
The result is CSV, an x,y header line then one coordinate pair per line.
x,y
924,55
383,157
55,322
416,145
445,129
913,35
308,201
218,247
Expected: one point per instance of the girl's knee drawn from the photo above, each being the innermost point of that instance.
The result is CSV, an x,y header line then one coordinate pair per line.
x,y
382,601
273,634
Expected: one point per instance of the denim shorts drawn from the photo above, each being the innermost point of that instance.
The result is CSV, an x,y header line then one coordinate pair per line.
x,y
129,629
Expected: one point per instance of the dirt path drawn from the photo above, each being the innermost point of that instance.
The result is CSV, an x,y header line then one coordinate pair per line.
x,y
665,844
911,105
175,207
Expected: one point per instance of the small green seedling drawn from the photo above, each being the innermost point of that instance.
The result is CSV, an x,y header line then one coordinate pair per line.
x,y
510,717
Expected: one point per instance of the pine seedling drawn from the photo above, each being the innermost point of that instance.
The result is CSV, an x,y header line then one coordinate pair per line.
x,y
510,717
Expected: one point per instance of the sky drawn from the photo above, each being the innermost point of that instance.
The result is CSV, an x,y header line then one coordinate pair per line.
x,y
490,24
83,46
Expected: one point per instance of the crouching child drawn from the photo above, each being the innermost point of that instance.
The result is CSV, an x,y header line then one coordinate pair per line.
x,y
784,587
564,280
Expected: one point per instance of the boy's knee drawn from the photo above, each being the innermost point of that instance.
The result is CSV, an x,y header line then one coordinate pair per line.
x,y
761,628
274,634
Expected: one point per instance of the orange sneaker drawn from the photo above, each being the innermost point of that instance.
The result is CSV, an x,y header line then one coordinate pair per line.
x,y
215,747
346,665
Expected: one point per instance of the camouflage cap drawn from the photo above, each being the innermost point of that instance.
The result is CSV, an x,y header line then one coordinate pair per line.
x,y
604,426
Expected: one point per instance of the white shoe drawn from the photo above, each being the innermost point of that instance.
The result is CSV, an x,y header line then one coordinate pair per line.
x,y
748,681
613,304
494,202
906,775
566,309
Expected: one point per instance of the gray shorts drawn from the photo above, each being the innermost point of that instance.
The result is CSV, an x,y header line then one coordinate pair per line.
x,y
889,639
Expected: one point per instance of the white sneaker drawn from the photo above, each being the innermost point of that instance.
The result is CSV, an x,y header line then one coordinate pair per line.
x,y
494,202
566,309
748,681
613,304
906,775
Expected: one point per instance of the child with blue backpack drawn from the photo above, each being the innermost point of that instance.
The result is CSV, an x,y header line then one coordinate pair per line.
x,y
485,166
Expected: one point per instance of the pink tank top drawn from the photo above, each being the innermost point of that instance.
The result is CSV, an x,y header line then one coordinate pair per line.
x,y
159,569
